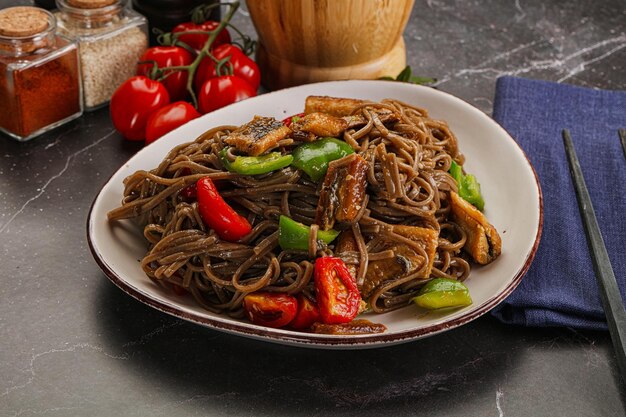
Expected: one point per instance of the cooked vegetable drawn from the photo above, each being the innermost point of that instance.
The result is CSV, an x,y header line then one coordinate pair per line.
x,y
253,165
292,119
307,314
270,309
443,293
313,158
338,297
294,235
469,188
343,193
218,215
189,193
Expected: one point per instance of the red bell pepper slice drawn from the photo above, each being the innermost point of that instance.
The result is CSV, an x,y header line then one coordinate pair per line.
x,y
338,297
189,193
218,215
289,120
270,309
178,290
307,314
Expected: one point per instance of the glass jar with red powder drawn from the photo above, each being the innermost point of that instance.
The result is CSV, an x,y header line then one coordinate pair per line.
x,y
39,74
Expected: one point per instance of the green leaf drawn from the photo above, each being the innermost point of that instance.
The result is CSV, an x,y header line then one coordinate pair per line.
x,y
407,76
422,80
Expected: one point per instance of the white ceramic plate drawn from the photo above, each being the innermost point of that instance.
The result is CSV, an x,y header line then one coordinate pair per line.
x,y
509,184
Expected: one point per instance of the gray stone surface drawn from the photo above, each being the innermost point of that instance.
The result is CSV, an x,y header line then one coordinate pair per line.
x,y
72,344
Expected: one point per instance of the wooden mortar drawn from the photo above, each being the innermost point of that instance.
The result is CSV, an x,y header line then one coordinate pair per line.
x,y
305,41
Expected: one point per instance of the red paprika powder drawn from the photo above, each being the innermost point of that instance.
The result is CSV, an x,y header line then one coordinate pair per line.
x,y
39,74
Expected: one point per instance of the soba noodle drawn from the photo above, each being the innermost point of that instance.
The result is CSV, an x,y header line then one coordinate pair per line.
x,y
408,184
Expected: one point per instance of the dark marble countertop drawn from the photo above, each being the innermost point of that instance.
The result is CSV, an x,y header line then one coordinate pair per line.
x,y
73,344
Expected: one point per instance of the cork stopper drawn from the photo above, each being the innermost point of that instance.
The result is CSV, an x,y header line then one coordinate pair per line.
x,y
22,21
90,4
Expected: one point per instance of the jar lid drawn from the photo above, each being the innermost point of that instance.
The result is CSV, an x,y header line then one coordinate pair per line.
x,y
90,4
23,21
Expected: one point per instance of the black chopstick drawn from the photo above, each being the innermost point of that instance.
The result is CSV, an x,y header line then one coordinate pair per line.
x,y
622,137
609,291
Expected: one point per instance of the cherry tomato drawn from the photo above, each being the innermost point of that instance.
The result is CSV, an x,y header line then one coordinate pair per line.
x,y
222,91
197,40
270,309
168,118
243,66
168,56
132,104
338,297
307,314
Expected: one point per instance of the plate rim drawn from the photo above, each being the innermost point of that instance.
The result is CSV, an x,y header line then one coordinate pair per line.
x,y
313,340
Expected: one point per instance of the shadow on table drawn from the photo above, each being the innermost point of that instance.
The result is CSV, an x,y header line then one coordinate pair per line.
x,y
451,371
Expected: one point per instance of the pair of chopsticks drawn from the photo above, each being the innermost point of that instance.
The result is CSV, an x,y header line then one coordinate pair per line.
x,y
609,291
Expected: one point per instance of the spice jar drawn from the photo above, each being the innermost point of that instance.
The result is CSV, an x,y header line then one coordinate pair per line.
x,y
111,39
39,73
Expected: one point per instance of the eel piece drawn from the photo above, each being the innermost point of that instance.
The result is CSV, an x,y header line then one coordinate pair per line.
x,y
314,125
343,192
483,241
258,136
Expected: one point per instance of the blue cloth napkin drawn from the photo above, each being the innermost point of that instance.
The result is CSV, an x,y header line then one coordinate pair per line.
x,y
560,287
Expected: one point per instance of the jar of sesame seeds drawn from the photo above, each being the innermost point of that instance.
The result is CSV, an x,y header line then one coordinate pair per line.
x,y
111,38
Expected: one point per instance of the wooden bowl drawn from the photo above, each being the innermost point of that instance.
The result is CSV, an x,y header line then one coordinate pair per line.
x,y
304,41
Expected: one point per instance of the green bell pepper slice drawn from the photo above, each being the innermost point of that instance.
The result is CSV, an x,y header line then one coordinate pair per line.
x,y
295,235
469,188
252,165
313,158
443,293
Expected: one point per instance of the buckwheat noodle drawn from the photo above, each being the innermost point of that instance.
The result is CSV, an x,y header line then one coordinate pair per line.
x,y
408,184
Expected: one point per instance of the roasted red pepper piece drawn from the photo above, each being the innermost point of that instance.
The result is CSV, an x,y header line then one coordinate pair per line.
x,y
270,309
178,290
338,297
287,121
307,314
189,193
218,215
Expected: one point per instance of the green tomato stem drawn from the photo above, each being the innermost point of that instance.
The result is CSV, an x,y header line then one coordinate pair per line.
x,y
171,39
193,67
